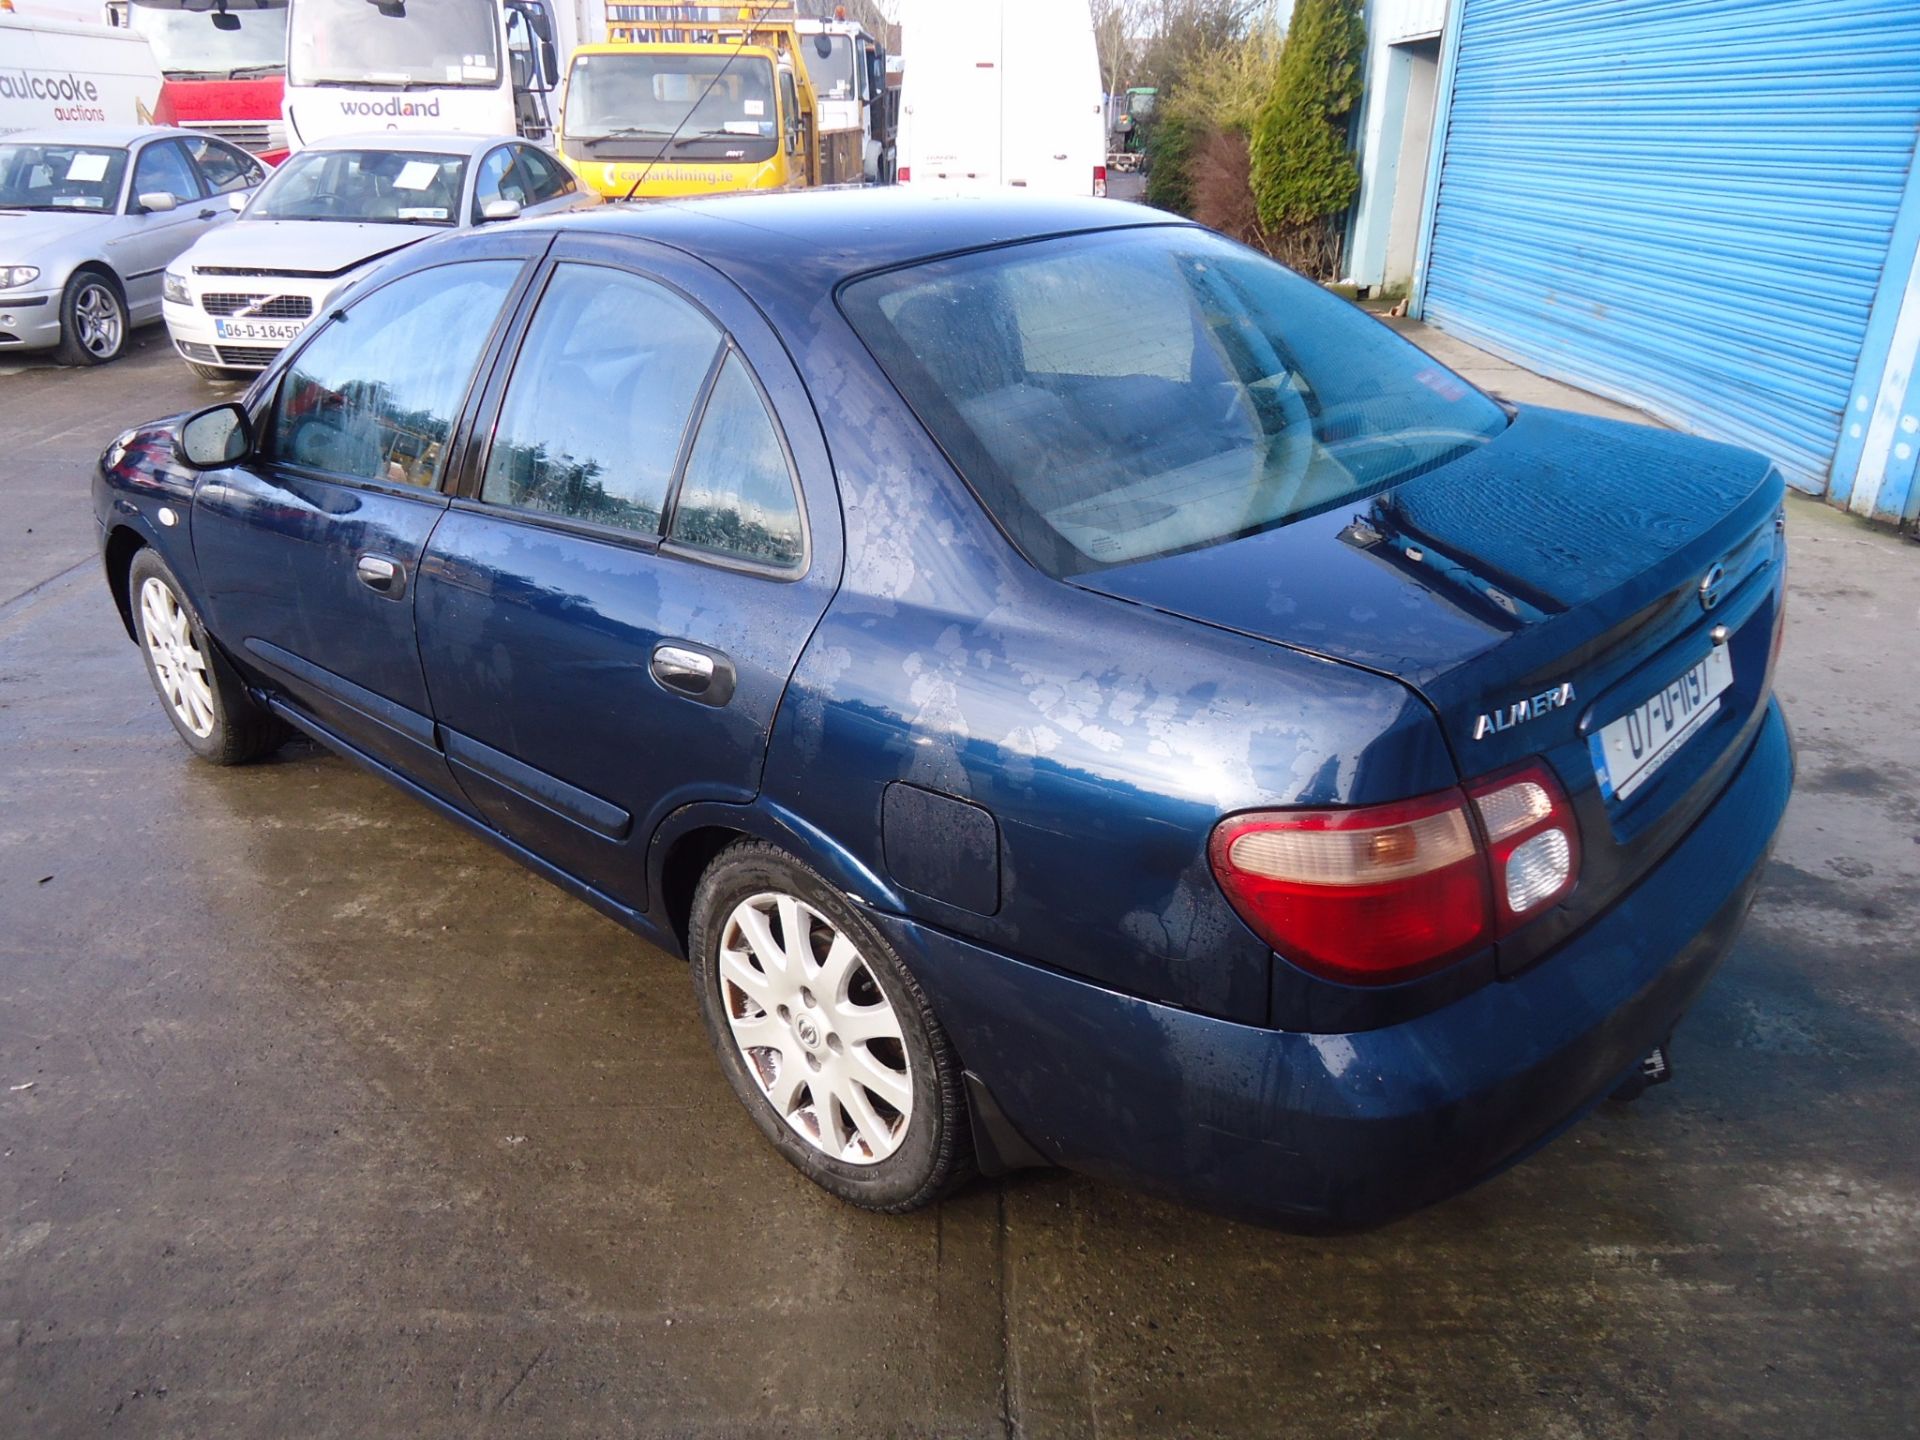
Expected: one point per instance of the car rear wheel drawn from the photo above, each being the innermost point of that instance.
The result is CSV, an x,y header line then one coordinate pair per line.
x,y
824,1035
93,320
204,700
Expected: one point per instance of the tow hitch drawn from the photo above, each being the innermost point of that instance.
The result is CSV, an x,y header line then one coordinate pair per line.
x,y
1654,1069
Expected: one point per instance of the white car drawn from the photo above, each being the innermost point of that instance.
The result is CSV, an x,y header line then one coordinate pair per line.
x,y
327,216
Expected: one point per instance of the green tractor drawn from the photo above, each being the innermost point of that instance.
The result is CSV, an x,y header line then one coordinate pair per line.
x,y
1126,147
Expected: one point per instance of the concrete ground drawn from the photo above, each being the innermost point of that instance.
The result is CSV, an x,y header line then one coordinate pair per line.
x,y
318,1117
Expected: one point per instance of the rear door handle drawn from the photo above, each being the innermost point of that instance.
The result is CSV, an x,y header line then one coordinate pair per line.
x,y
382,573
698,674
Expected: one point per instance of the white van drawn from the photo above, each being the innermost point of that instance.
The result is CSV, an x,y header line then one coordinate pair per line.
x,y
62,71
1001,93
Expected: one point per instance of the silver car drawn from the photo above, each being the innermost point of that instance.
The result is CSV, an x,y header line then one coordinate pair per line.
x,y
89,217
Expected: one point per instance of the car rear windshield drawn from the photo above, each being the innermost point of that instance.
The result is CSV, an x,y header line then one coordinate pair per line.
x,y
1134,393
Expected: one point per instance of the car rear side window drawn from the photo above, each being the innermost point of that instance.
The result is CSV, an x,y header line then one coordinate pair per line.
x,y
1119,396
224,168
600,399
545,174
737,497
375,395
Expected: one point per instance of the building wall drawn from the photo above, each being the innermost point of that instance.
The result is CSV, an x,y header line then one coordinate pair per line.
x,y
1396,101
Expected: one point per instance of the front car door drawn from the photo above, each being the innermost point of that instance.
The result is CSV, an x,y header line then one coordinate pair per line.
x,y
609,613
309,552
151,238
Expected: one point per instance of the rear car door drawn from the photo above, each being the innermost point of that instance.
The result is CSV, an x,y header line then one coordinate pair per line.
x,y
308,553
609,613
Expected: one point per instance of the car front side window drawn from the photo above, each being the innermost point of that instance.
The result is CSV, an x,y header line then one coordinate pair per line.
x,y
375,395
497,180
600,399
164,169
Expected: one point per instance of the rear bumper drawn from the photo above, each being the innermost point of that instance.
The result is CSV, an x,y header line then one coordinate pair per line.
x,y
1338,1131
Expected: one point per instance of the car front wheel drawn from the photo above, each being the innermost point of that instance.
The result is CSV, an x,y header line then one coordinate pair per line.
x,y
206,702
93,321
824,1035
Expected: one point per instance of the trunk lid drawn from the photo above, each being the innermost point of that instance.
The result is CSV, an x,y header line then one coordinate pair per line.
x,y
1532,592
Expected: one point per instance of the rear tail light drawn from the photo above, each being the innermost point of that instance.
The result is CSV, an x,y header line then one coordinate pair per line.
x,y
1099,180
1383,893
1533,843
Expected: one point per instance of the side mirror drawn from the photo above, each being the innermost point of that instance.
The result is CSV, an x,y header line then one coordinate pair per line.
x,y
237,201
157,202
549,63
500,210
214,438
823,46
224,21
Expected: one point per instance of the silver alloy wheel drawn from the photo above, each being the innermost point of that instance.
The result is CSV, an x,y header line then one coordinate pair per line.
x,y
177,657
817,1032
97,309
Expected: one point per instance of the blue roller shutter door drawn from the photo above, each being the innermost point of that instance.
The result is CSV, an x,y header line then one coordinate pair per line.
x,y
1682,204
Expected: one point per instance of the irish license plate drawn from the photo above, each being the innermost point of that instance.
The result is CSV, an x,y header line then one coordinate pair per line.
x,y
257,329
1627,752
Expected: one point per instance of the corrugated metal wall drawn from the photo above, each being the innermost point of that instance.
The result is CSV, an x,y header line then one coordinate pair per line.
x,y
1683,204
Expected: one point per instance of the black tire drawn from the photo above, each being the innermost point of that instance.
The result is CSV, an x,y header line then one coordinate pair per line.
x,y
219,374
934,1153
87,289
237,729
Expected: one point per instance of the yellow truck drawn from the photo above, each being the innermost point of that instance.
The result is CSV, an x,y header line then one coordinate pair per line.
x,y
695,100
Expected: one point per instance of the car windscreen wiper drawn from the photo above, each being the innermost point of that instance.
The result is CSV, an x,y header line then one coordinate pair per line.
x,y
255,72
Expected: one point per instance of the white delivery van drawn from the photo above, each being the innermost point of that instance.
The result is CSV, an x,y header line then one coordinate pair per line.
x,y
56,70
1001,94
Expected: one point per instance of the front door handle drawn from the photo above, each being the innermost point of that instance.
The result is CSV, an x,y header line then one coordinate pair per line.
x,y
703,675
382,573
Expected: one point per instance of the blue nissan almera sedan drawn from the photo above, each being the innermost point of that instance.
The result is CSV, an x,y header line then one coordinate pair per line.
x,y
1073,690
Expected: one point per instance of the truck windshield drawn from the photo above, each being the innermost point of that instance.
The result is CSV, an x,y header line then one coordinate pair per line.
x,y
420,43
832,73
189,46
60,177
400,186
648,96
1119,396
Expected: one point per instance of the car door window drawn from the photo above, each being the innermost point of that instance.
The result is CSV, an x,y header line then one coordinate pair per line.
x,y
165,167
600,398
737,497
497,180
222,167
547,177
375,394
